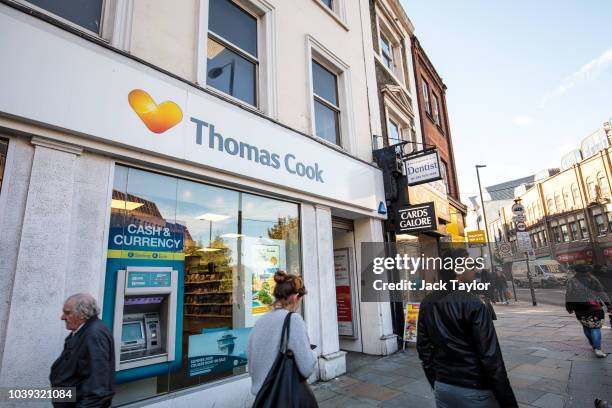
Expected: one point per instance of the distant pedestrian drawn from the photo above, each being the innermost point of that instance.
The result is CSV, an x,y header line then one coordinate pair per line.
x,y
458,347
88,359
585,297
604,275
501,286
265,341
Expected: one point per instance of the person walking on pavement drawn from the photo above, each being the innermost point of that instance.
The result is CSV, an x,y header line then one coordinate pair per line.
x,y
585,297
502,286
265,338
604,275
458,347
88,359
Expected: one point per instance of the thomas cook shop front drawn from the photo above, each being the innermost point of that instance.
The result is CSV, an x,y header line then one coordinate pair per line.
x,y
176,223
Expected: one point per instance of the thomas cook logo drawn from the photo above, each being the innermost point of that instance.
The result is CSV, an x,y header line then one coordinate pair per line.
x,y
157,117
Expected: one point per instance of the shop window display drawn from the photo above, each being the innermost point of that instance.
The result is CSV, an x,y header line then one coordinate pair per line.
x,y
225,246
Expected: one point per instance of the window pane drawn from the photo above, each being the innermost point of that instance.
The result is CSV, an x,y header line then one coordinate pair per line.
x,y
385,51
227,245
328,3
326,121
3,151
87,14
394,135
234,24
231,73
325,83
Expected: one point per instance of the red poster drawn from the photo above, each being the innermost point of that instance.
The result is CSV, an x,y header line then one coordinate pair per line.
x,y
343,302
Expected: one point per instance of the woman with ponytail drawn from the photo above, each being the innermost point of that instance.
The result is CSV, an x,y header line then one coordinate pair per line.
x,y
265,338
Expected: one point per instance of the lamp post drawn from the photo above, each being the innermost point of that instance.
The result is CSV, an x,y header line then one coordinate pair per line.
x,y
484,216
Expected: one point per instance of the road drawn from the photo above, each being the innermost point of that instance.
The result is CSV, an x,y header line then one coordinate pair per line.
x,y
552,296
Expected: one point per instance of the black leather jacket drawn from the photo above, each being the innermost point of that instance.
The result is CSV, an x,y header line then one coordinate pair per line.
x,y
457,344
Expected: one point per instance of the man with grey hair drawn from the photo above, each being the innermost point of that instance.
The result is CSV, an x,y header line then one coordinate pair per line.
x,y
88,359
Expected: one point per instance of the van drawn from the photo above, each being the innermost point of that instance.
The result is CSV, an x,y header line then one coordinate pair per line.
x,y
545,273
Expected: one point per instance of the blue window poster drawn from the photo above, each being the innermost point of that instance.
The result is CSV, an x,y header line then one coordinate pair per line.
x,y
217,350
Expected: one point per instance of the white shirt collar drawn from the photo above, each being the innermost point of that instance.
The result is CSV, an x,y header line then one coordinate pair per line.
x,y
77,329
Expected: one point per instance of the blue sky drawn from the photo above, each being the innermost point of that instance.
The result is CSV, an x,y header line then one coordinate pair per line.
x,y
527,80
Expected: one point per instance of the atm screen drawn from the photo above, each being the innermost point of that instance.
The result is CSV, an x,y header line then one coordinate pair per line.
x,y
132,332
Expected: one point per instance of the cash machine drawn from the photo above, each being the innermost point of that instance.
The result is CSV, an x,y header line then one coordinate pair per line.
x,y
144,326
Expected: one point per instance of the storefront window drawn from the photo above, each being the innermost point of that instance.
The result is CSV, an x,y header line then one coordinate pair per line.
x,y
600,224
574,231
3,152
565,233
583,229
224,245
556,234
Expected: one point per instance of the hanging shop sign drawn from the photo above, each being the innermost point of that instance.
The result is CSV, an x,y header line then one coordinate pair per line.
x,y
521,226
423,168
156,114
344,293
476,237
416,218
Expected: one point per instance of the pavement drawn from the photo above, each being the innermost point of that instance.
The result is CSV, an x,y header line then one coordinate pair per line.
x,y
549,296
549,363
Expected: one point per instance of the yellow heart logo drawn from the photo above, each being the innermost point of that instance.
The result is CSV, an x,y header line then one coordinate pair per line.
x,y
157,118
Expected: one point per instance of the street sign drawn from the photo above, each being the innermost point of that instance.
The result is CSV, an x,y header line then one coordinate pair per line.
x,y
523,242
504,248
519,218
520,226
518,209
476,237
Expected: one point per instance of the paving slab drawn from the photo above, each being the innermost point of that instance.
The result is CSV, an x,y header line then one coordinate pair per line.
x,y
548,360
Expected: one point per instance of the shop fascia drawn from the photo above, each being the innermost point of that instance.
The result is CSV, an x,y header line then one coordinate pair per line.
x,y
250,152
165,115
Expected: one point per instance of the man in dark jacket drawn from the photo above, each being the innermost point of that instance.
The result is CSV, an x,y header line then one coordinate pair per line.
x,y
458,347
88,359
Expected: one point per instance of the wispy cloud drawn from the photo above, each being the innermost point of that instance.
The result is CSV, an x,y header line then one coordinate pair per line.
x,y
589,71
522,120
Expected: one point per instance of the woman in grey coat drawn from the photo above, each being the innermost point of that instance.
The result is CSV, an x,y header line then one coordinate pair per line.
x,y
264,341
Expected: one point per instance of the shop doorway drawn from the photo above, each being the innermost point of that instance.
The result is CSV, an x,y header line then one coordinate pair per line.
x,y
347,296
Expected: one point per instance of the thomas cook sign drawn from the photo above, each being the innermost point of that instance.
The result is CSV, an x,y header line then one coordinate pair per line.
x,y
416,218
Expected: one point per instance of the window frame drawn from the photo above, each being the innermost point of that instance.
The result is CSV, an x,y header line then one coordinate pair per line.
x,y
604,187
436,110
426,94
328,104
327,59
337,11
387,27
388,60
115,22
266,76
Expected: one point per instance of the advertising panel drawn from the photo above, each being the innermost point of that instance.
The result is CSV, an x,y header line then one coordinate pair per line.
x,y
344,296
411,318
476,237
217,350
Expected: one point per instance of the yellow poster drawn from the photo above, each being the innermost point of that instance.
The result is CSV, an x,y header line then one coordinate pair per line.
x,y
411,317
